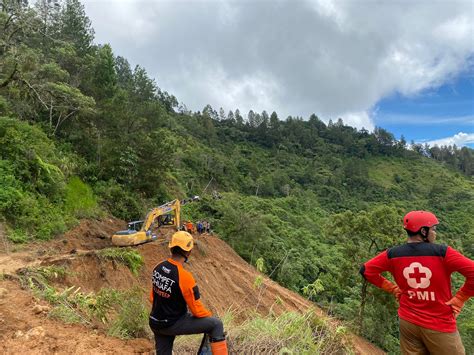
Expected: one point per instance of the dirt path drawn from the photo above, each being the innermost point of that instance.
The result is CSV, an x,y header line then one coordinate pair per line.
x,y
10,263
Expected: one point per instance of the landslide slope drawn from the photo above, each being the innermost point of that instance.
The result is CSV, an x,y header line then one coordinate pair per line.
x,y
226,281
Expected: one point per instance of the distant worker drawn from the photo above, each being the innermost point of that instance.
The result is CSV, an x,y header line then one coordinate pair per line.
x,y
190,227
199,227
174,292
422,272
208,227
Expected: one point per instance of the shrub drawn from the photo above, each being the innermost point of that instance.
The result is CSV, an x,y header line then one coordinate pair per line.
x,y
118,201
32,180
80,200
132,319
290,332
127,256
17,236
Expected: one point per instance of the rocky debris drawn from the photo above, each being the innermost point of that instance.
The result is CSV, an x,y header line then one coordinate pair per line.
x,y
36,332
19,334
37,309
3,292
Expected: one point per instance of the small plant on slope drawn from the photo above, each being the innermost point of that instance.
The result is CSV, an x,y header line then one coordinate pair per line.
x,y
127,256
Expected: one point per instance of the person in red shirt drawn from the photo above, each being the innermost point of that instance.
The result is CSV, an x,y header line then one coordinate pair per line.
x,y
422,272
174,291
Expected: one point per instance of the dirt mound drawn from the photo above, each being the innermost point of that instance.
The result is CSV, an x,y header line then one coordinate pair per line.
x,y
226,282
23,332
88,235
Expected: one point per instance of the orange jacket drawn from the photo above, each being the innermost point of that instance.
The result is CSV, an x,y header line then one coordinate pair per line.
x,y
174,291
190,227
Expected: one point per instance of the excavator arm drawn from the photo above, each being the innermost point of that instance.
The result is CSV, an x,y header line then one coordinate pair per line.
x,y
160,211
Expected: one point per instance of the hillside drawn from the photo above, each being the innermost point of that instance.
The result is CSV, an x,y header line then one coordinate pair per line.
x,y
225,279
85,135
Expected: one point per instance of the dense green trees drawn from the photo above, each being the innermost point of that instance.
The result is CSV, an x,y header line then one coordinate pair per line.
x,y
82,132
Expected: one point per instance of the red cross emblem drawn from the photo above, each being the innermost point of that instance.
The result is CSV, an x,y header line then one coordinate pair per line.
x,y
417,275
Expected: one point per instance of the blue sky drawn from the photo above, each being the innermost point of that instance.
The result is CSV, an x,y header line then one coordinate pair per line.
x,y
432,114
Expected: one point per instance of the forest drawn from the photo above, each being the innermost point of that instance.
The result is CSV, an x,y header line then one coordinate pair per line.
x,y
83,134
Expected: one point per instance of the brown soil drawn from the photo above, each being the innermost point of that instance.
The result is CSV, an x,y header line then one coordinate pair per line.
x,y
22,332
226,282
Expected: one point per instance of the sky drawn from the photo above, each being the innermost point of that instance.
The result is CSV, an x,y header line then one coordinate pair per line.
x,y
405,65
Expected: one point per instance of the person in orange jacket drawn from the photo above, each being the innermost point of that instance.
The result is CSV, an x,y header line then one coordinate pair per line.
x,y
189,227
422,271
174,291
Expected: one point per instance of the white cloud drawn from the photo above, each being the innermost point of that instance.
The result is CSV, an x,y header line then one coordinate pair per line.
x,y
358,119
427,120
461,139
333,58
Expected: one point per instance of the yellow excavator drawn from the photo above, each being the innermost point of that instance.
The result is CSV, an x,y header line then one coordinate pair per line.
x,y
139,232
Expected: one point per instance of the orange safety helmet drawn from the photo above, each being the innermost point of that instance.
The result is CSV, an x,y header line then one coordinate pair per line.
x,y
415,220
182,239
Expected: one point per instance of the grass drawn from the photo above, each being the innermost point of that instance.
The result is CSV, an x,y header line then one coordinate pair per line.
x,y
127,256
132,319
80,200
122,313
288,333
391,173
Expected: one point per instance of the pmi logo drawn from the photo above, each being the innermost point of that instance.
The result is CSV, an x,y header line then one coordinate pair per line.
x,y
417,275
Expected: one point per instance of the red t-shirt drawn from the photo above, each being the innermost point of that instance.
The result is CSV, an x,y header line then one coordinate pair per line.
x,y
423,271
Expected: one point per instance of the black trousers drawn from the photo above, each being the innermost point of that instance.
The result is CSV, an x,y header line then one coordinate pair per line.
x,y
188,324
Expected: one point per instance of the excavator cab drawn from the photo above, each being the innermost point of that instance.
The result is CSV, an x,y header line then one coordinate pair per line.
x,y
166,220
135,226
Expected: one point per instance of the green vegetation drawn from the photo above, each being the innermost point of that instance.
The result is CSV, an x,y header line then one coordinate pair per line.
x,y
132,319
80,200
288,333
123,313
39,196
82,133
127,256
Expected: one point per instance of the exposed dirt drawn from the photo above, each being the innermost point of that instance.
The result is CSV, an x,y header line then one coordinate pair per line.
x,y
226,282
23,332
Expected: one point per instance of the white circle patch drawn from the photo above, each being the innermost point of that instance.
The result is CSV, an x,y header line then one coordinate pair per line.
x,y
417,275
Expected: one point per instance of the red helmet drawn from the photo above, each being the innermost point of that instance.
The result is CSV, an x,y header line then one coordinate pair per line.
x,y
415,220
